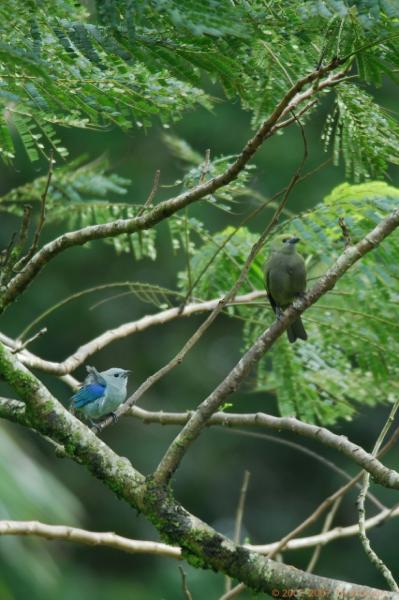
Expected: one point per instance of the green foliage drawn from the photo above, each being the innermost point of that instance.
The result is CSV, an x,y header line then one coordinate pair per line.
x,y
351,355
364,133
82,195
202,169
131,62
74,187
81,77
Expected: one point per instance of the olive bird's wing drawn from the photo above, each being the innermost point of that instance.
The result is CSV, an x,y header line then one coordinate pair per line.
x,y
267,284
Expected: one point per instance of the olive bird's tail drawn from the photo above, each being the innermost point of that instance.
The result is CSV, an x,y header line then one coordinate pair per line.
x,y
296,331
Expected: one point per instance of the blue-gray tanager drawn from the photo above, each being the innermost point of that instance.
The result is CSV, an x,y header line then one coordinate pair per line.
x,y
101,393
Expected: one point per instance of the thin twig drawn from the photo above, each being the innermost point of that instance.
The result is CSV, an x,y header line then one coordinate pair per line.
x,y
383,475
239,517
75,296
5,254
152,193
326,526
241,507
202,176
188,260
372,555
346,234
21,346
301,448
42,217
13,253
205,166
186,591
338,533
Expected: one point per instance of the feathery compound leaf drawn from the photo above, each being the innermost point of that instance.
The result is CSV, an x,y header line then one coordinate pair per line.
x,y
363,133
143,61
73,188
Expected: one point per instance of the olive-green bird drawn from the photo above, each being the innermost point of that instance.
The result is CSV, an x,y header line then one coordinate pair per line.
x,y
285,280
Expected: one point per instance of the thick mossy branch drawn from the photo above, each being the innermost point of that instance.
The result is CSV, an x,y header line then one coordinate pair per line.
x,y
201,545
13,410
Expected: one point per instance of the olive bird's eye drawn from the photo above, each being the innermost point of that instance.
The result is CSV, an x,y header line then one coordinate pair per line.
x,y
286,240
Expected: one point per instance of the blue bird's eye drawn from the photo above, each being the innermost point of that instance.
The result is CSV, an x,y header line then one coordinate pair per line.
x,y
116,374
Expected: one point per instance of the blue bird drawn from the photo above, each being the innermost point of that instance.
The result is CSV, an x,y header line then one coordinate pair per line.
x,y
101,393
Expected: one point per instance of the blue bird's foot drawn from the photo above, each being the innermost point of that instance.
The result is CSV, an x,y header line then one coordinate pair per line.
x,y
114,417
95,428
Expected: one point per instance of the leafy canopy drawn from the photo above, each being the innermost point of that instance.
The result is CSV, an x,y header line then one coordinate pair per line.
x,y
128,63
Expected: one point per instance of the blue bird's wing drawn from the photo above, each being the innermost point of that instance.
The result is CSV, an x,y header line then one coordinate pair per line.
x,y
87,394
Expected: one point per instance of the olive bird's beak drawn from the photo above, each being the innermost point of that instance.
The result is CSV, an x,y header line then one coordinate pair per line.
x,y
294,240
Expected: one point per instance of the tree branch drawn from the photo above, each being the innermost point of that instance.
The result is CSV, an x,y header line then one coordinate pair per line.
x,y
382,474
232,381
292,99
328,536
90,538
15,411
112,540
84,352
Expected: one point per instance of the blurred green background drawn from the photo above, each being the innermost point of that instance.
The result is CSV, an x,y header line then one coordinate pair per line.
x,y
285,485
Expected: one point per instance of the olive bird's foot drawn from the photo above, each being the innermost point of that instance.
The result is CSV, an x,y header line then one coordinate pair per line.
x,y
297,303
297,300
279,313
